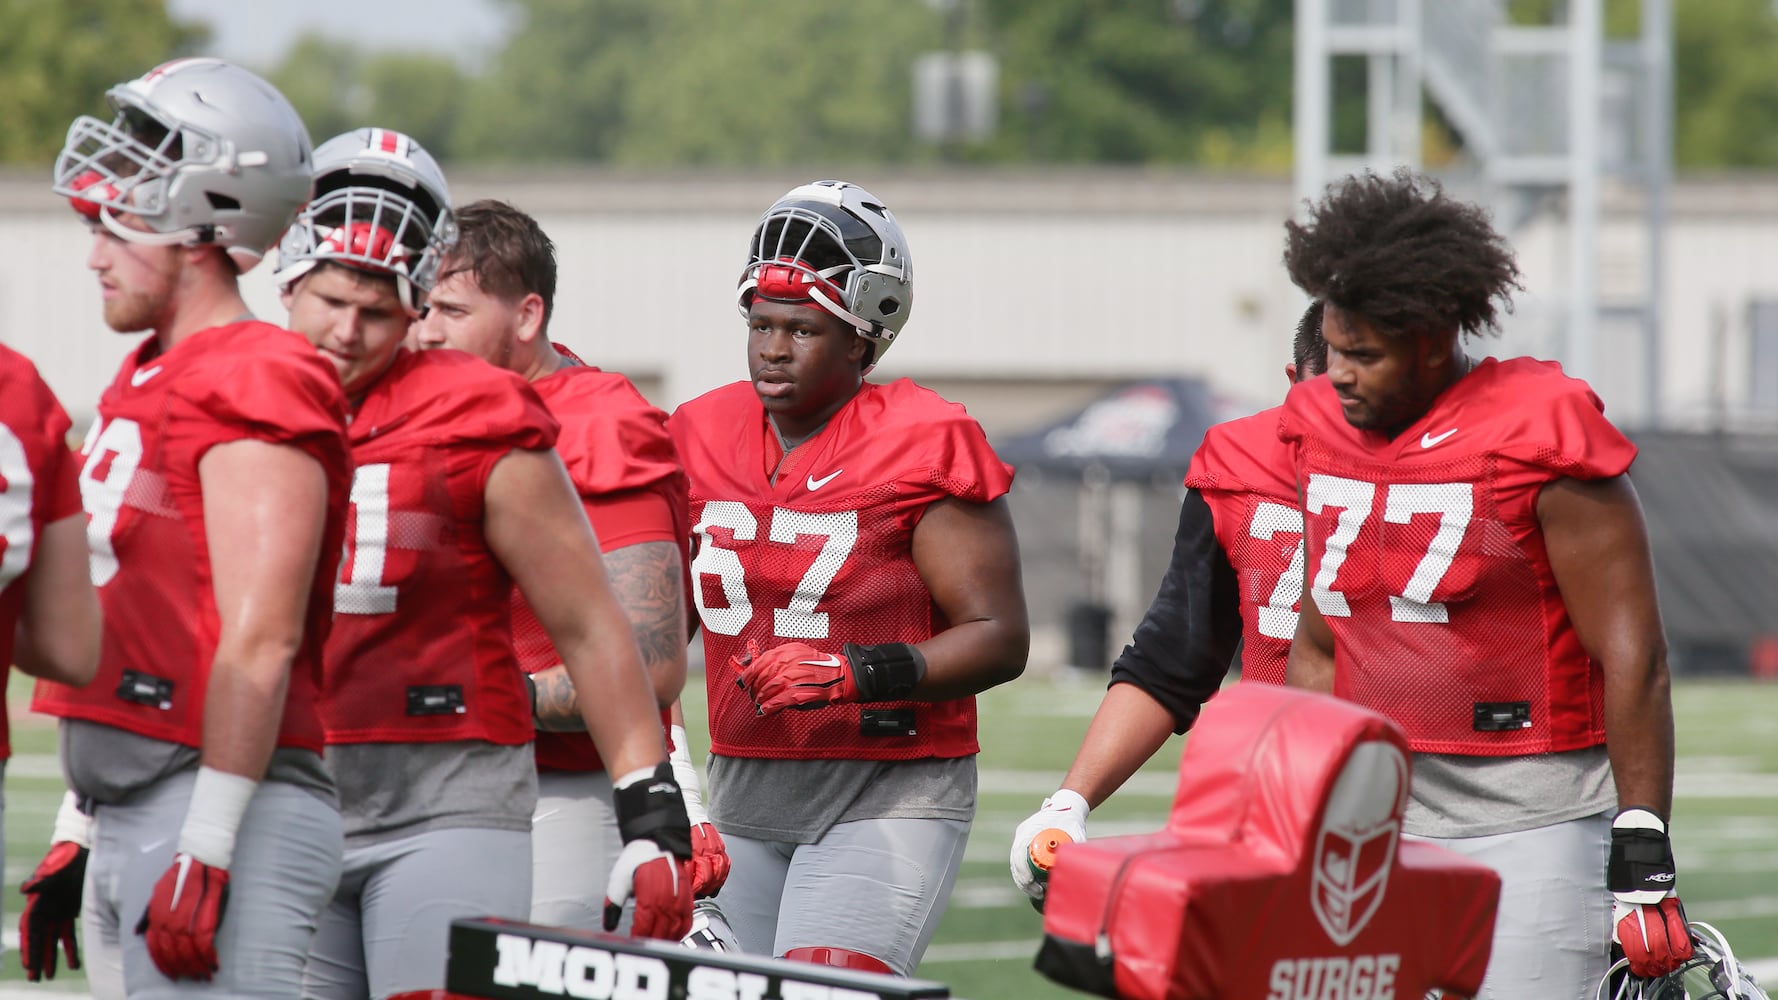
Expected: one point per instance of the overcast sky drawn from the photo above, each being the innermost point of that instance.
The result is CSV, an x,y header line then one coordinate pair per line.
x,y
258,34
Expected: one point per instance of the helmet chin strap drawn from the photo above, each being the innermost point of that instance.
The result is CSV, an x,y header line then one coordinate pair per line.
x,y
191,236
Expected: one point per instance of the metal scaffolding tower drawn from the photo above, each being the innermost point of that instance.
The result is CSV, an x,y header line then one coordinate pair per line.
x,y
1548,116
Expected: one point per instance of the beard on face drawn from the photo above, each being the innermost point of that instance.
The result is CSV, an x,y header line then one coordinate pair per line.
x,y
1388,412
133,311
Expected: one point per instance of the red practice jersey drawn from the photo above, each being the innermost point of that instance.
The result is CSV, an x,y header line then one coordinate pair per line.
x,y
1244,474
824,555
145,508
39,485
1427,561
626,470
421,649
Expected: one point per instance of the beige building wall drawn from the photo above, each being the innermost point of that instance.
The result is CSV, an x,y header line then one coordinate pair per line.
x,y
1033,288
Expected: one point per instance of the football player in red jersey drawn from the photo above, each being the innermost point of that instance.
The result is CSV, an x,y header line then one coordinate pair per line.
x,y
1233,580
49,618
494,298
855,561
457,496
215,484
1478,570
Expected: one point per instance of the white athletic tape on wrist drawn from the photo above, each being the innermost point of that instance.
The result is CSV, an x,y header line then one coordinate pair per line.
x,y
1638,818
686,773
218,802
71,824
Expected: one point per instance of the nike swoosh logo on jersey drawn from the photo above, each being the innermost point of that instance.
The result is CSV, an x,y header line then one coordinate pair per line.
x,y
1428,440
831,661
815,484
151,845
142,375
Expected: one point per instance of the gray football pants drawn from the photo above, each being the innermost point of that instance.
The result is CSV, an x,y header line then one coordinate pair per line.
x,y
388,927
574,844
286,864
1552,933
877,886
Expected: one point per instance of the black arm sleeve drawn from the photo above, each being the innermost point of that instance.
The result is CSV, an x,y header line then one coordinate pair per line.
x,y
1182,650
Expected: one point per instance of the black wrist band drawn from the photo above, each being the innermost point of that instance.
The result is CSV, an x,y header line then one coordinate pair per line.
x,y
1640,861
654,808
531,692
886,672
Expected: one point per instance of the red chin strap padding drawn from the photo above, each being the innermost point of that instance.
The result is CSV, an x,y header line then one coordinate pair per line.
x,y
786,281
839,958
95,182
364,240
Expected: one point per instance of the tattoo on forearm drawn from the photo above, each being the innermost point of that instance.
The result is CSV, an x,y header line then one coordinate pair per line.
x,y
646,579
557,711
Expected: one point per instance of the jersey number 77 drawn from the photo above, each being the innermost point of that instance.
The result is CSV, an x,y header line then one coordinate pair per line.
x,y
1355,499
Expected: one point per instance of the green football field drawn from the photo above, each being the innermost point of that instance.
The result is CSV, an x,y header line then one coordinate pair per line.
x,y
1725,823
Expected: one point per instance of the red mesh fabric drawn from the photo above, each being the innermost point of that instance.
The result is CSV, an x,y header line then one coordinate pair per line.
x,y
1443,601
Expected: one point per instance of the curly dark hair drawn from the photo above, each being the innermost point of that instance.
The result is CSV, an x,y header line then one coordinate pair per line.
x,y
1403,255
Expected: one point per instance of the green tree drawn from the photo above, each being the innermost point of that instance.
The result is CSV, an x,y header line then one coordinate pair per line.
x,y
424,93
1143,81
336,87
556,92
58,57
1725,89
733,82
729,83
321,78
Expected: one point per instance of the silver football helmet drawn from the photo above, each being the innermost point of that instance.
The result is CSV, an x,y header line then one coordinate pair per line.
x,y
710,930
844,249
381,204
201,151
1713,973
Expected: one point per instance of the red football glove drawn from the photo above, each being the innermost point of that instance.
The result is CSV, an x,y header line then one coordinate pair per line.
x,y
1653,936
662,893
795,675
182,918
52,902
657,842
709,865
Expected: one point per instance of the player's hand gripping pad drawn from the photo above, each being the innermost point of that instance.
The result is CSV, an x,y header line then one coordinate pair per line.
x,y
1281,872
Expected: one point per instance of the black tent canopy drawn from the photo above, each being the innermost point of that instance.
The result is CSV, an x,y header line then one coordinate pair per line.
x,y
1139,430
1128,441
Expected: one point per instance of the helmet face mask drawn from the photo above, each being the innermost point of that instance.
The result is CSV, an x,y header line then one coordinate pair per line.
x,y
124,163
200,151
1713,973
381,205
846,251
710,930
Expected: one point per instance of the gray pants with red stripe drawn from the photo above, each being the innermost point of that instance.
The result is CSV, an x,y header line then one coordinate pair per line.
x,y
876,886
286,864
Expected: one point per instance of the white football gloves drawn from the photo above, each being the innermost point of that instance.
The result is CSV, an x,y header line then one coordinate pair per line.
x,y
1065,811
